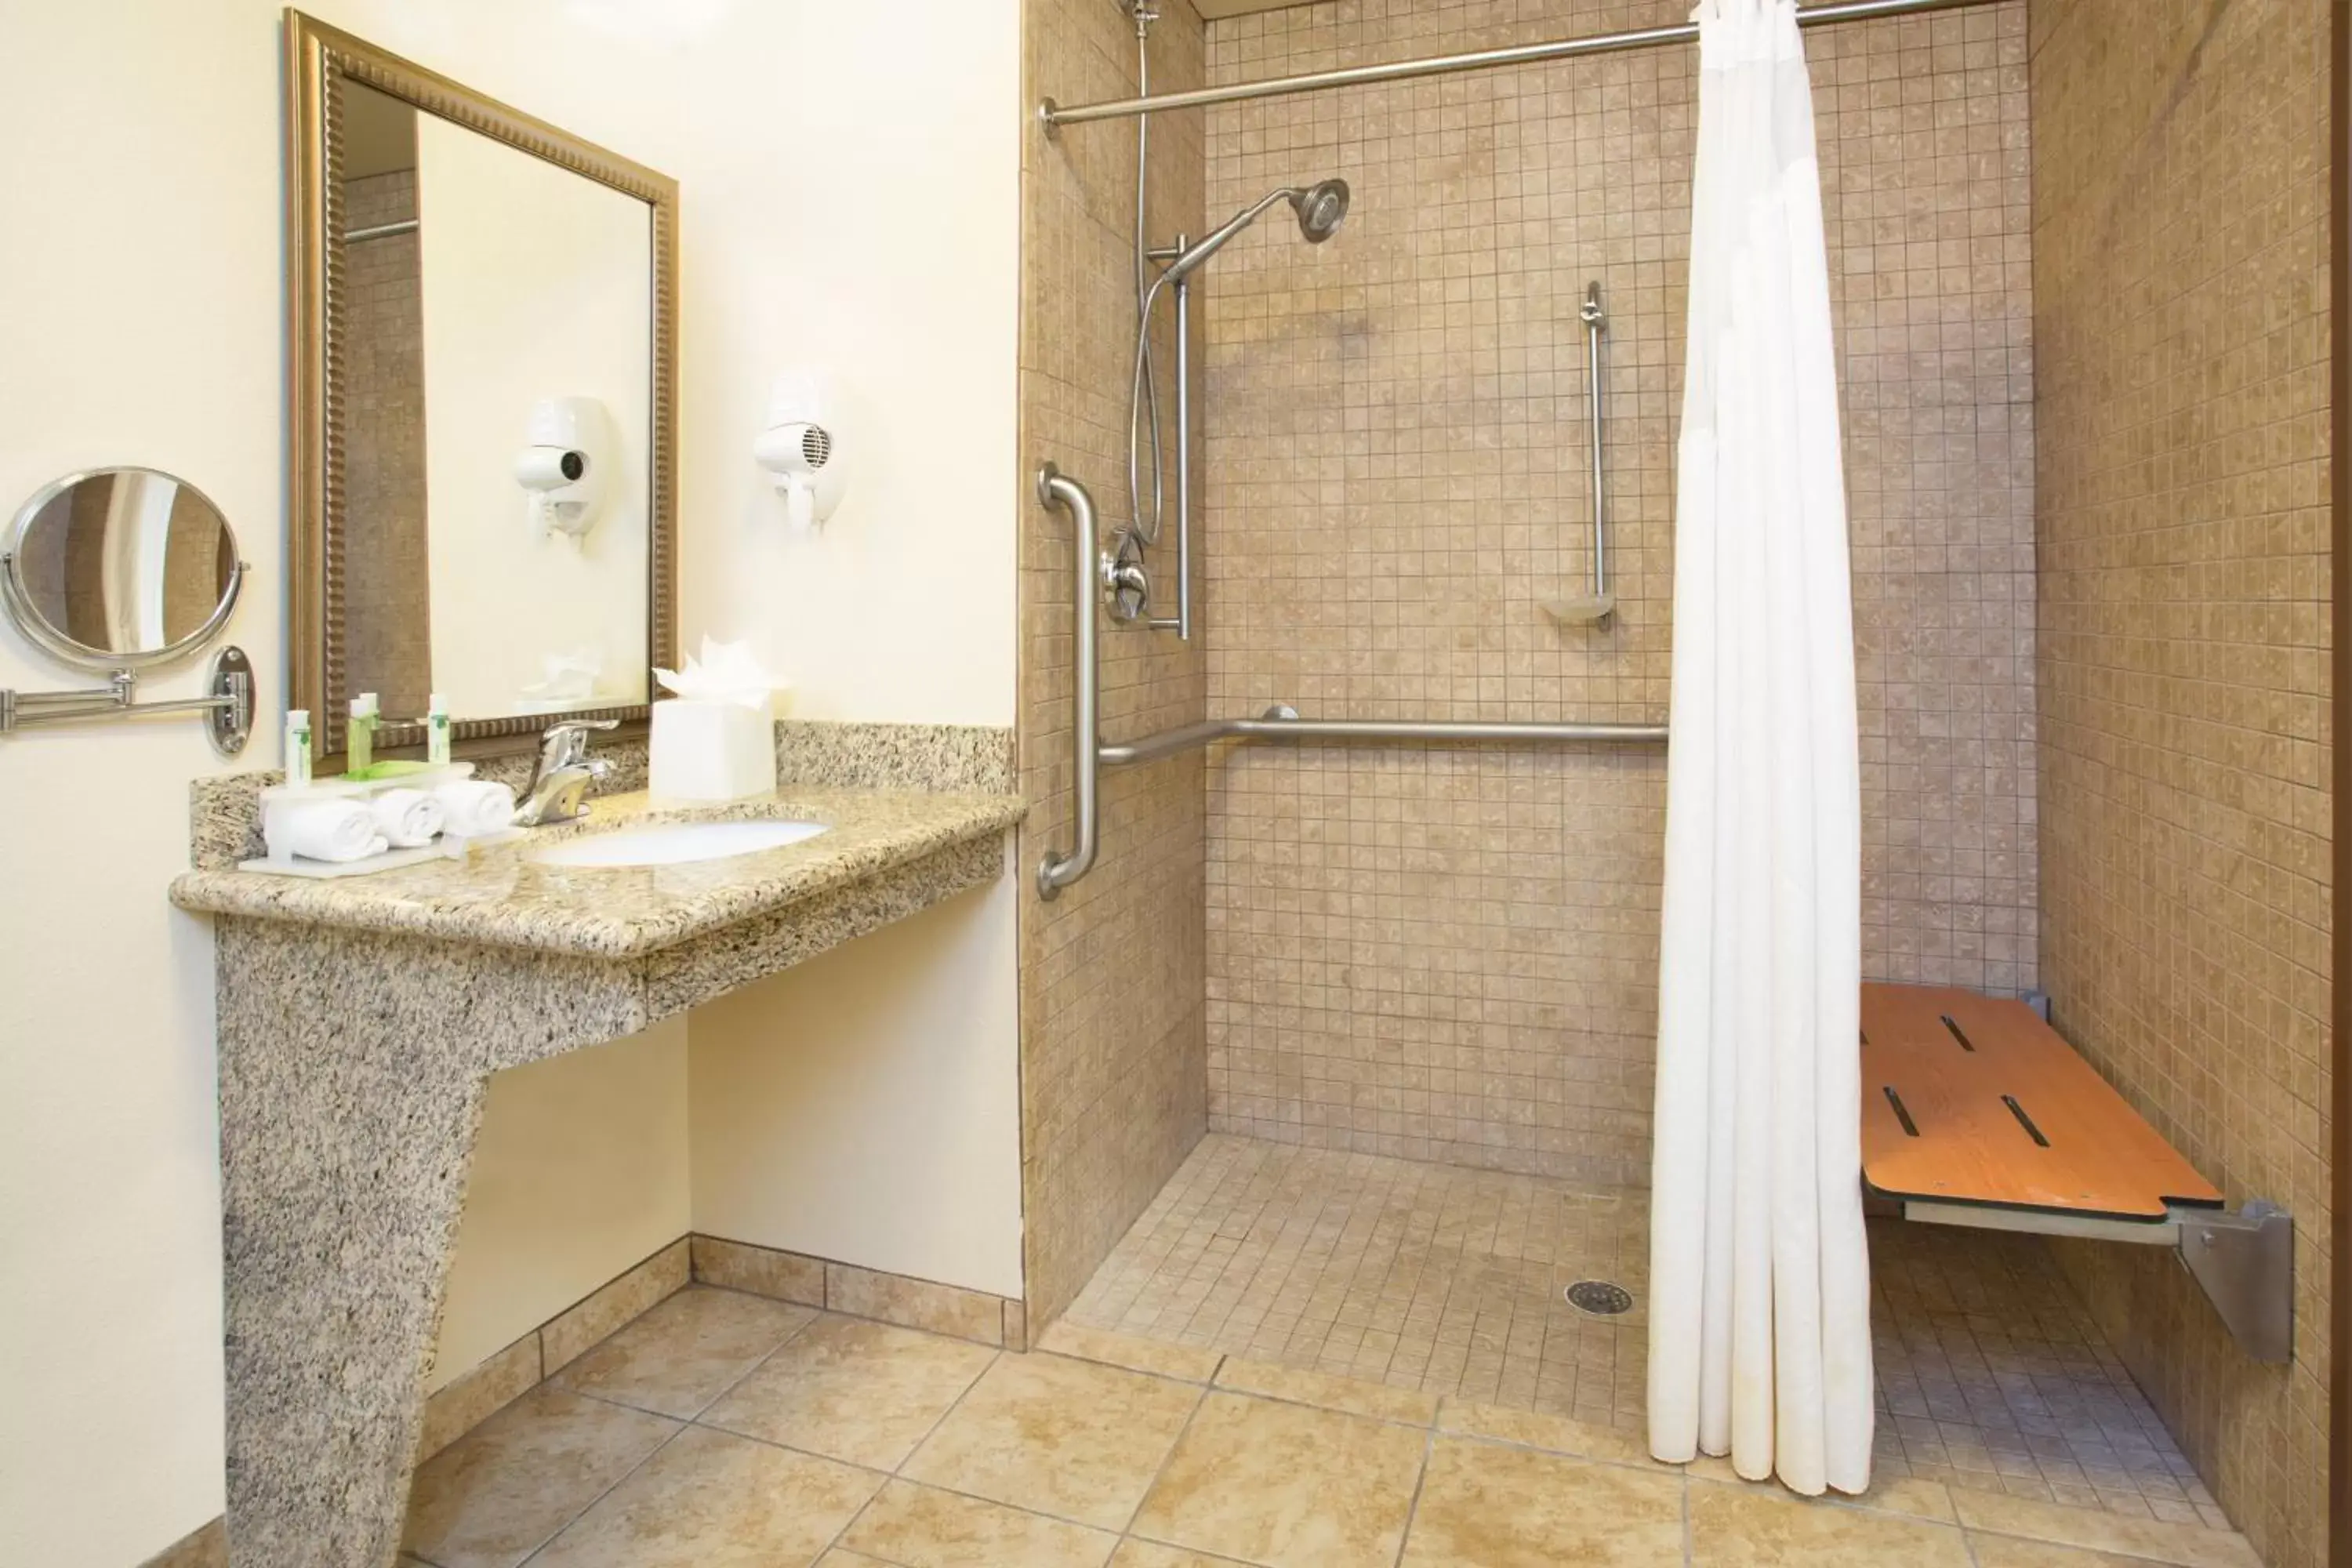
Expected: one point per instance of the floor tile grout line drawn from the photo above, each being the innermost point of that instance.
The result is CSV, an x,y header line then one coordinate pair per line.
x,y
898,1472
1160,1471
1420,1483
533,1554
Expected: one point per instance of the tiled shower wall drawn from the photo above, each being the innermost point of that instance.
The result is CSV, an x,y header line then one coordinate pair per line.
x,y
1112,977
388,642
1449,953
2180,275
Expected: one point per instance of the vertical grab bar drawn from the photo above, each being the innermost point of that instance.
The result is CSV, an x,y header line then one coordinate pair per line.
x,y
1181,623
1057,871
1184,459
1595,322
1593,609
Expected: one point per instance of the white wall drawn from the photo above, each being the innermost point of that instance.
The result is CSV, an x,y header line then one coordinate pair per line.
x,y
840,1113
850,200
580,1171
534,285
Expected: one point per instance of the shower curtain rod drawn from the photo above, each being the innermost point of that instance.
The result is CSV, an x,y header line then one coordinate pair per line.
x,y
1055,116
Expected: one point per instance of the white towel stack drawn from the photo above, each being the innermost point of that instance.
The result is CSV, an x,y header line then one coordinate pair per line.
x,y
330,830
473,807
409,818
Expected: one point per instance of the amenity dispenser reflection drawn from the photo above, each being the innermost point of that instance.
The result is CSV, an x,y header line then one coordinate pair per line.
x,y
802,448
567,451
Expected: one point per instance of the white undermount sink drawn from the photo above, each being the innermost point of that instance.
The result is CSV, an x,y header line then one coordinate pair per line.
x,y
675,843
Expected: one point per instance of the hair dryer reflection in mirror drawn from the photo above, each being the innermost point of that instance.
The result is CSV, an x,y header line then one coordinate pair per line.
x,y
561,466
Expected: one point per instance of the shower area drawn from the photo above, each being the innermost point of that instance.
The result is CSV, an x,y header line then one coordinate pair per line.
x,y
1337,1045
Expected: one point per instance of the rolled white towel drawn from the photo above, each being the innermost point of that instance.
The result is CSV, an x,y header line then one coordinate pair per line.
x,y
409,818
330,830
472,807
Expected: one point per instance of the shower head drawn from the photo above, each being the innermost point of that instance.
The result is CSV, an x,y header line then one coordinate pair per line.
x,y
1321,207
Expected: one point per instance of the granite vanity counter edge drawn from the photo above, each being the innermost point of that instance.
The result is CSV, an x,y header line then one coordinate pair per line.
x,y
961,820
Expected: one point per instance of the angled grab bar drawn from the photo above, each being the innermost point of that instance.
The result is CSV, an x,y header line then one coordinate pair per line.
x,y
1057,490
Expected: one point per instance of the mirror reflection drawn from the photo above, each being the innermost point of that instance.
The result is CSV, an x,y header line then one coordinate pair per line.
x,y
495,389
121,566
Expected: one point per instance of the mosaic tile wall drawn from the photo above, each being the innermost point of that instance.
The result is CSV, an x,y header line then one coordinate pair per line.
x,y
1112,974
388,630
2181,282
1452,953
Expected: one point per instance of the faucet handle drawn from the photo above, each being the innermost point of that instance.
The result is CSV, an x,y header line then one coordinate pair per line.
x,y
566,742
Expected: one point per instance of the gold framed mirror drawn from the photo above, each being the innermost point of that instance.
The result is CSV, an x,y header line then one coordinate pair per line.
x,y
482,389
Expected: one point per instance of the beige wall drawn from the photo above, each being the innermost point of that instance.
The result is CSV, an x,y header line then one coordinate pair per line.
x,y
579,1172
2181,282
121,123
1452,953
841,1110
1111,976
110,1237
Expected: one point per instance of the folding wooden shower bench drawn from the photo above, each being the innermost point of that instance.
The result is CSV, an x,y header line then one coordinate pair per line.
x,y
1975,1112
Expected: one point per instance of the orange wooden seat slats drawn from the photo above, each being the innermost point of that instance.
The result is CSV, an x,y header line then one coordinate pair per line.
x,y
1968,1098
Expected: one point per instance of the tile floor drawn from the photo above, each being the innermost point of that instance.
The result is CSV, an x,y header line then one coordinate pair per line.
x,y
1446,1280
729,1431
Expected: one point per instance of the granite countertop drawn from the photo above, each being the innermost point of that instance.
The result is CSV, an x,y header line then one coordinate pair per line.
x,y
499,897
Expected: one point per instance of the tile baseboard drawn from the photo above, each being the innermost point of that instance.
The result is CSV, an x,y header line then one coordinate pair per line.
x,y
997,1321
507,1374
207,1546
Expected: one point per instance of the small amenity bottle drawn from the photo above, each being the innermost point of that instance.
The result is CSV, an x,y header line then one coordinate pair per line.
x,y
437,732
298,748
359,745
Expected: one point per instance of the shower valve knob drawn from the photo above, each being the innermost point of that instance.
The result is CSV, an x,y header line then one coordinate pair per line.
x,y
1127,586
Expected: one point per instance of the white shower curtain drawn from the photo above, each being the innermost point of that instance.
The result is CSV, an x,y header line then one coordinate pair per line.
x,y
1759,1296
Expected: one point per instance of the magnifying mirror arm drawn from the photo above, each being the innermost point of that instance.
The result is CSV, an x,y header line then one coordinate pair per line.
x,y
229,704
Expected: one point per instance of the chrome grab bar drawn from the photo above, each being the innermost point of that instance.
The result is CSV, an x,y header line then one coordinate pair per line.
x,y
1089,574
1282,723
1057,871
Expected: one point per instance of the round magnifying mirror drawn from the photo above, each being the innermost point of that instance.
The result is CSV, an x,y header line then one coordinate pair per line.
x,y
119,569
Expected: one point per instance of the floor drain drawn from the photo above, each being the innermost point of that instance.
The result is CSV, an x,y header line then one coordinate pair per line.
x,y
1600,1297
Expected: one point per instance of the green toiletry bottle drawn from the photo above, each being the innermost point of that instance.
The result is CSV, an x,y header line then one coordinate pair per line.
x,y
359,745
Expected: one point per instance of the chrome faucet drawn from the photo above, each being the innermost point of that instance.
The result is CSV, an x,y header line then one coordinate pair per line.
x,y
558,785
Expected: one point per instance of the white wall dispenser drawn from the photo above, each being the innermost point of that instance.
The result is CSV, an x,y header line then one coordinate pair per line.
x,y
803,447
567,453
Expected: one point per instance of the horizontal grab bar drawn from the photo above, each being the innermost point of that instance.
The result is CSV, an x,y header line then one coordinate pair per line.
x,y
1284,724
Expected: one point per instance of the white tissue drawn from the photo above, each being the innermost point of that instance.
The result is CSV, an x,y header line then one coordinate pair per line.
x,y
727,672
329,830
474,807
409,818
715,739
571,677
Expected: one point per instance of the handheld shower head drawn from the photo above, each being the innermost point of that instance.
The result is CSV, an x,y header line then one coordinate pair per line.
x,y
1319,207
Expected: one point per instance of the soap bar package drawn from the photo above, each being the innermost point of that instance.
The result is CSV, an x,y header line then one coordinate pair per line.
x,y
712,751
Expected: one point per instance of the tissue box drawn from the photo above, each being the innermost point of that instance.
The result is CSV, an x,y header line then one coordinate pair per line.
x,y
712,751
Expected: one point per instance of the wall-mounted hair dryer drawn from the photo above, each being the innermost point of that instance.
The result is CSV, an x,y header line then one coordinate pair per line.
x,y
567,451
802,448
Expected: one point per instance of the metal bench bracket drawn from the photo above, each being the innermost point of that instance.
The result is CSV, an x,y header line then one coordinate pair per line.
x,y
2244,1260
